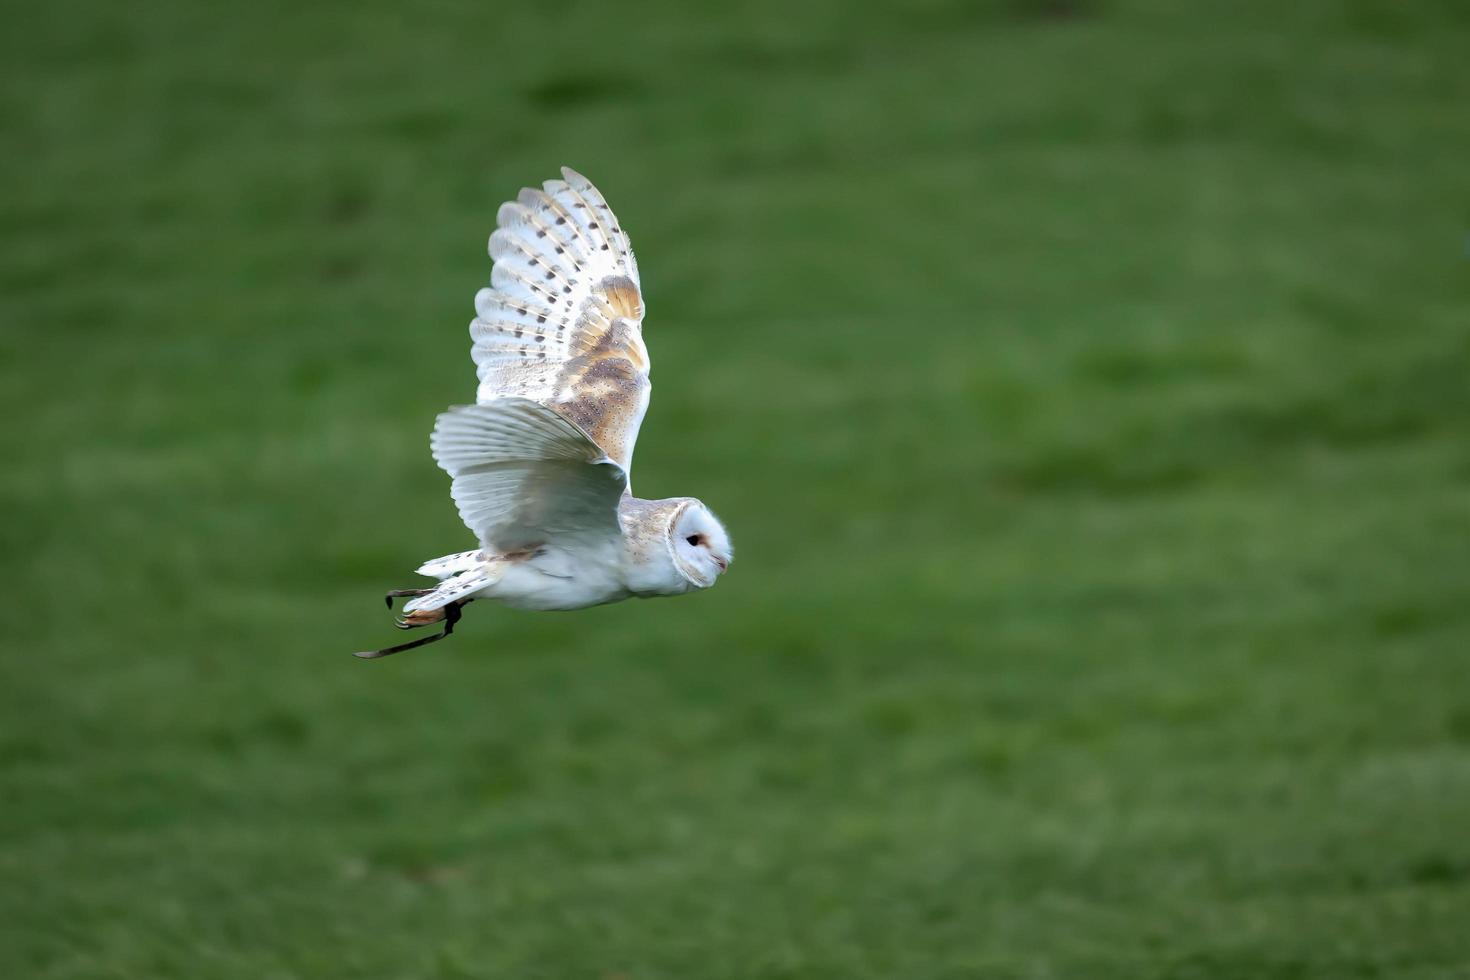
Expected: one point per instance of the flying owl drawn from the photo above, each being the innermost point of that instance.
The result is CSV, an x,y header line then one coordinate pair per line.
x,y
540,463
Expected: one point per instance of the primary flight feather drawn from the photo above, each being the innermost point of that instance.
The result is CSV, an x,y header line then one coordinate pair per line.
x,y
540,465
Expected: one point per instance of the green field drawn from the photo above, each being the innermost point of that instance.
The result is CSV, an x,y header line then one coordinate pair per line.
x,y
1085,383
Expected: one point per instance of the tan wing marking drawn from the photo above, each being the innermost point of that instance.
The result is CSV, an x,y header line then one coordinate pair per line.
x,y
602,386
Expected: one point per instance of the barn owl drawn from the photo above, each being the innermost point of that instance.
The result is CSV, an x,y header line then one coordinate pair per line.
x,y
540,463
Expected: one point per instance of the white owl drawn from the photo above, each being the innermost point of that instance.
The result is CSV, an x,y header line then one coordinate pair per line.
x,y
540,464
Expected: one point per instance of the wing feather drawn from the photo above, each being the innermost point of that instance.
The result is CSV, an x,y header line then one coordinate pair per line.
x,y
562,321
524,476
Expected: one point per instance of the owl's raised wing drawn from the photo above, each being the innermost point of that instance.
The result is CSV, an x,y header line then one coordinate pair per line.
x,y
562,321
524,476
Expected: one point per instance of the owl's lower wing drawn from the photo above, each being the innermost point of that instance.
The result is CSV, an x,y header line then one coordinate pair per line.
x,y
562,321
525,477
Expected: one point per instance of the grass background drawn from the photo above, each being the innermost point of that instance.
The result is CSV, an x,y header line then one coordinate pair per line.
x,y
1084,383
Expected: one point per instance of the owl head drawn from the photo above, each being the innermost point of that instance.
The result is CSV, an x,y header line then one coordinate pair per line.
x,y
676,545
699,544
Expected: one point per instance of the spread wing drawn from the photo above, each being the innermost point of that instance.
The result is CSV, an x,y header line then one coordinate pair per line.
x,y
562,321
525,476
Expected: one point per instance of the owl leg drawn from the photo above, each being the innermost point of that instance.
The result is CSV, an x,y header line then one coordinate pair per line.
x,y
452,613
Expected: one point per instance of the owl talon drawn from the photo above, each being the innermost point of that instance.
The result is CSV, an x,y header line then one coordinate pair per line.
x,y
403,594
450,614
421,617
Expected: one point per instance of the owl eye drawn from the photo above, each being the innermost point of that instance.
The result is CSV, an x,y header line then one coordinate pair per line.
x,y
694,539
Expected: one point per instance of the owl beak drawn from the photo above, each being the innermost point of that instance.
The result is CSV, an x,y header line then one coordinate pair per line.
x,y
724,563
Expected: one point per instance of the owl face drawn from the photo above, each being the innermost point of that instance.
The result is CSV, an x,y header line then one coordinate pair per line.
x,y
699,545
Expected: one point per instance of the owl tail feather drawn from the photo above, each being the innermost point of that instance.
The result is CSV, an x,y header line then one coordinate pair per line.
x,y
461,586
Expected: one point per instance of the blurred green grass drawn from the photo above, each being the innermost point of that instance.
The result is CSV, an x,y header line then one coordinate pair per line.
x,y
1084,384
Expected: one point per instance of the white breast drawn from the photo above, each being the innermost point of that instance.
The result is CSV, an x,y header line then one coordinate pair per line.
x,y
556,579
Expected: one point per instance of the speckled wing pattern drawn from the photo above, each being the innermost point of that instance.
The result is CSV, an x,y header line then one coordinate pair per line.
x,y
562,321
